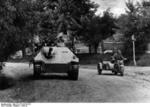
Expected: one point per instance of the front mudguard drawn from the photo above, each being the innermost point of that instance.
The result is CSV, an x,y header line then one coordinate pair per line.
x,y
122,70
119,69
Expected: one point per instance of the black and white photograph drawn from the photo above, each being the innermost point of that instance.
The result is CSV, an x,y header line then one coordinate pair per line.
x,y
74,51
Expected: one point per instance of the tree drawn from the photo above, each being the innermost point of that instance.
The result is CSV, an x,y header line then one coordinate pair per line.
x,y
108,26
7,38
21,19
17,24
91,32
26,21
136,22
96,29
64,16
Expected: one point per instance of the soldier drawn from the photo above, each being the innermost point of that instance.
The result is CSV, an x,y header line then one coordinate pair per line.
x,y
117,55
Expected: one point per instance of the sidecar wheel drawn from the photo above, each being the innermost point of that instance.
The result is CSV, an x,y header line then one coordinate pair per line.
x,y
116,73
99,71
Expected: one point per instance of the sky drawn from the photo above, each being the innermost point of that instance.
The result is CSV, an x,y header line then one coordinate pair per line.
x,y
117,6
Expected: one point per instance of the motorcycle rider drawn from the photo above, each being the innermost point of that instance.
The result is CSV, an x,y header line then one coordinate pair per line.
x,y
117,55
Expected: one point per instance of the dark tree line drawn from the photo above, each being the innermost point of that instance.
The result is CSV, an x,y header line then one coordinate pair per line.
x,y
98,28
20,20
135,22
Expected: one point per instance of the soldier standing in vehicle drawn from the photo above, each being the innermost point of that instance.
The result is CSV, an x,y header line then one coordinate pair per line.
x,y
117,55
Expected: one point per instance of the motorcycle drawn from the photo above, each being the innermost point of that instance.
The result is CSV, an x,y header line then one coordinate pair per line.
x,y
116,66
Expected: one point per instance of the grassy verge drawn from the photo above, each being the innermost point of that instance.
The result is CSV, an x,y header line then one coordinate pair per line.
x,y
144,60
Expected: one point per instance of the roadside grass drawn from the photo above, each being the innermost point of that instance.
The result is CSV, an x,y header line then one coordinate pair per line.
x,y
144,60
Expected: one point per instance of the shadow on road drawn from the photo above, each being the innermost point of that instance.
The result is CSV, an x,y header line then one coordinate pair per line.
x,y
108,74
44,77
51,77
6,82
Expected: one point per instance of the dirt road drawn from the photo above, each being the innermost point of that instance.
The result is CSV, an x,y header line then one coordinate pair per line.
x,y
91,87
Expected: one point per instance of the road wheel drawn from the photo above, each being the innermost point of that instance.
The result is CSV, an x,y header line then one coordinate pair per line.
x,y
73,75
113,71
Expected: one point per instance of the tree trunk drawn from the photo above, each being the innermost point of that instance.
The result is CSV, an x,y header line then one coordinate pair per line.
x,y
90,49
73,45
95,48
102,46
32,47
23,52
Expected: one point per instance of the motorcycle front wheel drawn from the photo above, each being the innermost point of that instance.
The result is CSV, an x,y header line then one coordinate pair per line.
x,y
115,69
122,71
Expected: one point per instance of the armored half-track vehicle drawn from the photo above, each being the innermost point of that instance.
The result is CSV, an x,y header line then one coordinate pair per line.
x,y
56,60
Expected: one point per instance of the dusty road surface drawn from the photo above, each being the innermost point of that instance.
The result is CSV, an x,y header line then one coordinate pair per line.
x,y
91,87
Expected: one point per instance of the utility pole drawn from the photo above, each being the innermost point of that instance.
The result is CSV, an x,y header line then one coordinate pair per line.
x,y
133,42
